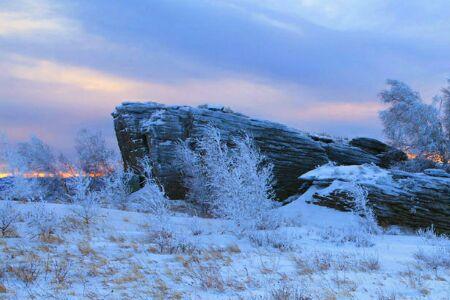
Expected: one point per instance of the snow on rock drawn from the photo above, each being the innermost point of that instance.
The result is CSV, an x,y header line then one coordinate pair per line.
x,y
216,107
415,200
301,210
366,173
154,130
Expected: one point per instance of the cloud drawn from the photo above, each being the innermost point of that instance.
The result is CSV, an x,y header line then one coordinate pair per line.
x,y
32,19
314,64
399,18
337,112
85,78
49,93
13,24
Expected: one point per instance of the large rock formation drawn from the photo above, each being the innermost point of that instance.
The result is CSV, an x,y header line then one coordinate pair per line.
x,y
416,200
154,130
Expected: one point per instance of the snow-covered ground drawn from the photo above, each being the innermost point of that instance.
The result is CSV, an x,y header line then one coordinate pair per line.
x,y
311,252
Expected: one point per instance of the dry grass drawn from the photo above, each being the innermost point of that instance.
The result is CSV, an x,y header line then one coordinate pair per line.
x,y
27,272
60,270
288,293
310,263
10,232
206,270
85,249
50,238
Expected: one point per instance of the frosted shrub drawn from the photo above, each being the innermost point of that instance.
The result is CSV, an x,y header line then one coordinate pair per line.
x,y
116,187
23,189
283,240
43,220
87,201
428,233
360,235
229,179
416,165
439,255
369,221
323,261
436,258
151,197
9,216
352,234
167,240
287,292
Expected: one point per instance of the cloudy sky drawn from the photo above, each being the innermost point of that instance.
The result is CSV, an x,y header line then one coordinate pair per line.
x,y
316,65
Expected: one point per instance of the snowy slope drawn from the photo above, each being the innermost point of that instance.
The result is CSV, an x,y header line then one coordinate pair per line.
x,y
315,252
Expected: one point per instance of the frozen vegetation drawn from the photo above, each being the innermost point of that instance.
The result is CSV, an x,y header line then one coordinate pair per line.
x,y
51,251
80,230
96,240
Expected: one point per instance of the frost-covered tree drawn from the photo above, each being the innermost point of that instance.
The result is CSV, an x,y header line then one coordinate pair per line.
x,y
230,178
446,112
37,156
85,197
94,156
410,124
19,163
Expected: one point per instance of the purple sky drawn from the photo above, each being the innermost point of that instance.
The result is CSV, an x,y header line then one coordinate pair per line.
x,y
313,64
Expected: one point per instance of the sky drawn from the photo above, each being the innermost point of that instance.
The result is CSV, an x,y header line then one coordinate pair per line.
x,y
316,65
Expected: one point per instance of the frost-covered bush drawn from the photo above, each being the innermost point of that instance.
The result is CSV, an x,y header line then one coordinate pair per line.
x,y
412,125
86,200
416,165
309,262
436,258
115,187
23,189
150,198
288,292
348,235
9,216
166,239
43,221
283,240
229,178
368,221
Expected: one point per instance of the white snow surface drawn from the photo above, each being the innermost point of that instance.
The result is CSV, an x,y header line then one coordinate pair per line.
x,y
313,251
362,173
